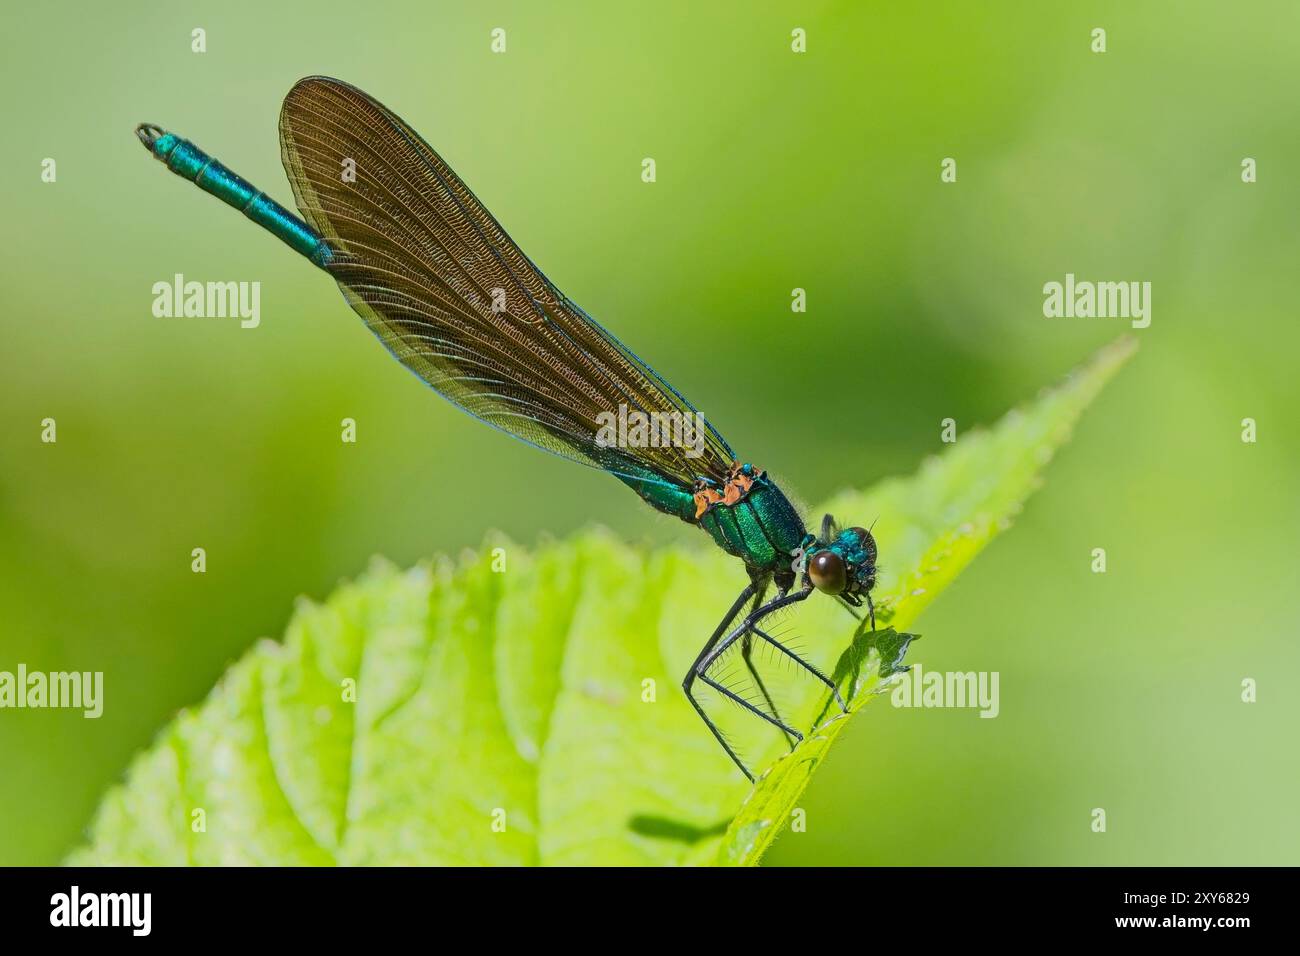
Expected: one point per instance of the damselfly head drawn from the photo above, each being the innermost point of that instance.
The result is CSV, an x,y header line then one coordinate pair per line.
x,y
845,565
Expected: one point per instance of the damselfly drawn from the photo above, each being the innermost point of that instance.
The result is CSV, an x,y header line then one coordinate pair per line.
x,y
440,283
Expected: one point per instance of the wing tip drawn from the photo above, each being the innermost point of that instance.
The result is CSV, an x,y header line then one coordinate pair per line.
x,y
318,79
319,86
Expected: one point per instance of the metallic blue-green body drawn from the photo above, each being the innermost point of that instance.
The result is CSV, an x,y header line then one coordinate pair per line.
x,y
762,529
189,162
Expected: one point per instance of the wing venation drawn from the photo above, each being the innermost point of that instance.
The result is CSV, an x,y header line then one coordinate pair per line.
x,y
444,287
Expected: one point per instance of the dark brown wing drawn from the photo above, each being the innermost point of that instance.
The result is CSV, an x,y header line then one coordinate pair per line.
x,y
455,300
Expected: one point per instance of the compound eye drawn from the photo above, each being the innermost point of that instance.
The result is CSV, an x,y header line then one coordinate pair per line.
x,y
868,542
827,572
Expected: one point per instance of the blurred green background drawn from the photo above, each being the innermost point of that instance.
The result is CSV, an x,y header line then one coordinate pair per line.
x,y
775,171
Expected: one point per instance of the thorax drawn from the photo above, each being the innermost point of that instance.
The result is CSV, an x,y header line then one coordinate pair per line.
x,y
761,527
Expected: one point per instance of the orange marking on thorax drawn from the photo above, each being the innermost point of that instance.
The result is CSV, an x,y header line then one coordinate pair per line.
x,y
734,489
705,499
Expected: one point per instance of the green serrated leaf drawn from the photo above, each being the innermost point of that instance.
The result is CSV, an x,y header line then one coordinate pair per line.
x,y
935,521
865,669
475,713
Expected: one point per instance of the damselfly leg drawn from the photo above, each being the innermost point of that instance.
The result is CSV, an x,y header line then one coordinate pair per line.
x,y
750,593
746,654
717,645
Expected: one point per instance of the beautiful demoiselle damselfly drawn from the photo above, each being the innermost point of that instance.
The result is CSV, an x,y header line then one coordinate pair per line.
x,y
440,283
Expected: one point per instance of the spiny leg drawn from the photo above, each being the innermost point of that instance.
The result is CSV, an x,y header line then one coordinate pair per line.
x,y
706,659
746,650
802,663
715,649
775,721
749,592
